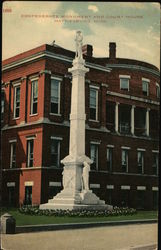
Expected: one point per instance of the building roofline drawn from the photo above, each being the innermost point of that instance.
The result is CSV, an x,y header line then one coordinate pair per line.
x,y
93,62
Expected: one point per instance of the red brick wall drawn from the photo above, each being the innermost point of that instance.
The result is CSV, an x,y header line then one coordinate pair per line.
x,y
35,176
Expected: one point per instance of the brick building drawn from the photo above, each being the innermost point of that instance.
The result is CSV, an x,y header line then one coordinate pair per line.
x,y
122,126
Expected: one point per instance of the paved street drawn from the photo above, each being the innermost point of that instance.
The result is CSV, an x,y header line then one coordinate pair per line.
x,y
102,238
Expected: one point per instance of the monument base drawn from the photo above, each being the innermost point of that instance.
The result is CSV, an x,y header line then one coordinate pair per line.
x,y
53,206
75,201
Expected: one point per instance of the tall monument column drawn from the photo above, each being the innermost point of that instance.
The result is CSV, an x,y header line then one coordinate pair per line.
x,y
76,193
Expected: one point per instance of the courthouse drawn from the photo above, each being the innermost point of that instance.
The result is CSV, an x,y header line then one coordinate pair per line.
x,y
122,126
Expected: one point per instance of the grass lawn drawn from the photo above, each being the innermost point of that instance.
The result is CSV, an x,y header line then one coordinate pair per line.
x,y
22,219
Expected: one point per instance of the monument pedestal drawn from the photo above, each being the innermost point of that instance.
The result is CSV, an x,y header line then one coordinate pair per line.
x,y
72,196
76,193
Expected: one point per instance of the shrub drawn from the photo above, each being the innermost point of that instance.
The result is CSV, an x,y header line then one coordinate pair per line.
x,y
117,211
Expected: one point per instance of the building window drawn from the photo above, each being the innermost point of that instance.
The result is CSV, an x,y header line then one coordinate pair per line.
x,y
110,197
55,153
94,156
11,196
13,155
140,162
157,90
140,199
2,105
124,119
109,158
16,109
28,195
124,84
93,104
55,96
30,153
155,163
34,96
110,116
124,195
124,160
155,200
145,87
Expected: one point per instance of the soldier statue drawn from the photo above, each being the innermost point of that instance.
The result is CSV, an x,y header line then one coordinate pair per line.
x,y
79,39
85,176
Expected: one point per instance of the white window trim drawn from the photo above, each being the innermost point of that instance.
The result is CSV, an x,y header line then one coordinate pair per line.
x,y
56,138
128,83
95,142
56,78
33,80
124,147
141,187
54,184
155,189
15,97
125,76
12,140
110,146
155,151
145,79
94,185
125,187
16,83
29,183
59,88
96,89
32,137
10,184
110,186
141,149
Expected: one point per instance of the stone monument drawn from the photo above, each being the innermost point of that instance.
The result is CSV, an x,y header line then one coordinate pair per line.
x,y
76,193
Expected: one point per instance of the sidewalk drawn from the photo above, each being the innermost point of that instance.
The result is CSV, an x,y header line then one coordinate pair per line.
x,y
124,237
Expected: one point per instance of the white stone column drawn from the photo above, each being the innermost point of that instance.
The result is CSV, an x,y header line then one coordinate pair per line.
x,y
77,116
117,117
147,122
75,193
132,119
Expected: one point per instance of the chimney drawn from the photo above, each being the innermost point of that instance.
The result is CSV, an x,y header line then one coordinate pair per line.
x,y
112,50
87,50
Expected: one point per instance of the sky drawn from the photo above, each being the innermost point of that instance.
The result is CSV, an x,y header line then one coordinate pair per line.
x,y
134,26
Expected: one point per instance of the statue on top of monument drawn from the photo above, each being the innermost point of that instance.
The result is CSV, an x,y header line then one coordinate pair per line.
x,y
79,43
85,176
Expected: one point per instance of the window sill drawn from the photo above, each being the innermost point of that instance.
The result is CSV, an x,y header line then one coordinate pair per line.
x,y
54,114
127,90
33,114
90,120
55,167
16,118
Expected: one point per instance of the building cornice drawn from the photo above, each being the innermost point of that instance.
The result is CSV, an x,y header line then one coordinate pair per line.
x,y
135,98
44,54
134,67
